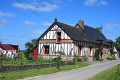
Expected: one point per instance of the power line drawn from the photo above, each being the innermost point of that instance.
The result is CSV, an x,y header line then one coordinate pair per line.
x,y
33,11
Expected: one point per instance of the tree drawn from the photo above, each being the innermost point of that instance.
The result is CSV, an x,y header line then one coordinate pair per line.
x,y
118,40
58,59
0,41
30,47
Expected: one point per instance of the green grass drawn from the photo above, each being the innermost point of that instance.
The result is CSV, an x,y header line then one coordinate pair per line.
x,y
41,71
109,74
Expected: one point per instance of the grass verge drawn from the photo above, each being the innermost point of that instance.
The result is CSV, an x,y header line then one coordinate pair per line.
x,y
39,71
109,74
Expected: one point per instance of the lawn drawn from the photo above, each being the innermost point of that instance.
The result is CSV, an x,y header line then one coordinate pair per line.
x,y
109,74
40,71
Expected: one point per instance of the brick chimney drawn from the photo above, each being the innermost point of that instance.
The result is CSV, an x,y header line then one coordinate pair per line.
x,y
81,23
55,19
99,29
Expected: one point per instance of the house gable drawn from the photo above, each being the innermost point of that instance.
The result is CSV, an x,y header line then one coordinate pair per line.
x,y
51,33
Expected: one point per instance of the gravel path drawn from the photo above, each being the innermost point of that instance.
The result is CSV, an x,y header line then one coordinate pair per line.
x,y
77,74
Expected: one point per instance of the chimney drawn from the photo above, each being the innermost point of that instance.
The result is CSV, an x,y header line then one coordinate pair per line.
x,y
81,23
99,29
55,19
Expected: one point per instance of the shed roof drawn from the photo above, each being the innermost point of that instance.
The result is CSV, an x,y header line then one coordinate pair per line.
x,y
9,47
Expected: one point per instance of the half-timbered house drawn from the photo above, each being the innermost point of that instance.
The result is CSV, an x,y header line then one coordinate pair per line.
x,y
80,40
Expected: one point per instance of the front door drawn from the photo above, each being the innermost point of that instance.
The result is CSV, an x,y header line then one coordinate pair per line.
x,y
46,49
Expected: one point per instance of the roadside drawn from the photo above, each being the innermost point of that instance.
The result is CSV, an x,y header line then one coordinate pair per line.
x,y
40,71
78,74
112,73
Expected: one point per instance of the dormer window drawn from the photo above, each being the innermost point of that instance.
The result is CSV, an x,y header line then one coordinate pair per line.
x,y
58,37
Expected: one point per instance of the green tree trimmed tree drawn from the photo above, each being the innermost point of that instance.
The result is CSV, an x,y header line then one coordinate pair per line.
x,y
30,47
118,40
58,59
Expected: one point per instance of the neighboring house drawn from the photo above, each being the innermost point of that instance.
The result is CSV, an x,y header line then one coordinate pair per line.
x,y
8,50
116,50
80,40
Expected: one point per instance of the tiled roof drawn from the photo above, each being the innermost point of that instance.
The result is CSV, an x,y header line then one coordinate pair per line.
x,y
74,33
9,47
87,34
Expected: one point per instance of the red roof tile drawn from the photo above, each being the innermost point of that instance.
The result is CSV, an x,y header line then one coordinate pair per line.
x,y
9,47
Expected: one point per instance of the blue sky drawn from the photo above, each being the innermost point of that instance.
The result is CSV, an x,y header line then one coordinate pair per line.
x,y
18,25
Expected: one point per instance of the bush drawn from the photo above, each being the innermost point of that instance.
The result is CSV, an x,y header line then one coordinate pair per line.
x,y
31,58
96,58
111,58
58,60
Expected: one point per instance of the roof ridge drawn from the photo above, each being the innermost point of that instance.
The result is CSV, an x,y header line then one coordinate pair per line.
x,y
66,24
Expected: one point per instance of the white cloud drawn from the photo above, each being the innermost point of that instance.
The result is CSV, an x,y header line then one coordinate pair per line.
x,y
44,6
6,14
37,31
4,21
103,3
34,31
45,23
95,2
111,26
1,25
29,23
110,34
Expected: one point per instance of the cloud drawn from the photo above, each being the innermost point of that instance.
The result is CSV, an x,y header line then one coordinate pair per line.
x,y
29,23
110,34
37,31
45,23
34,31
1,25
44,6
112,26
6,14
4,21
95,2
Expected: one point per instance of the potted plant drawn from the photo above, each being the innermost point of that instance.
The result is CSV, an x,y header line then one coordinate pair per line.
x,y
85,58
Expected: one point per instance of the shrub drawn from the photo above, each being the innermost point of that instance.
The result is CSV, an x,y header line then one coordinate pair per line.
x,y
77,59
31,58
111,51
58,60
111,58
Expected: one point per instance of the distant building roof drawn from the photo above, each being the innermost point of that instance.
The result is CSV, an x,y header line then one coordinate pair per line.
x,y
9,47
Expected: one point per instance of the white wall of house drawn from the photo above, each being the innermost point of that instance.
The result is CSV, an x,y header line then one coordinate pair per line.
x,y
9,53
66,47
85,48
69,48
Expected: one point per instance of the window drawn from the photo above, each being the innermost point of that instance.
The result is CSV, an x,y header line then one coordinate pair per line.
x,y
79,51
90,51
58,37
46,49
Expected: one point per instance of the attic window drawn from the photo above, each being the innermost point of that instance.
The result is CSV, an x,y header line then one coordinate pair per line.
x,y
58,37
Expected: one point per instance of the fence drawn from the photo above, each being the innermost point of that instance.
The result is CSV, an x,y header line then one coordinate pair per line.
x,y
14,64
26,67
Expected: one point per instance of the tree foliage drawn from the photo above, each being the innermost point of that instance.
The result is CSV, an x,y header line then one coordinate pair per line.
x,y
30,47
58,59
118,40
97,53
